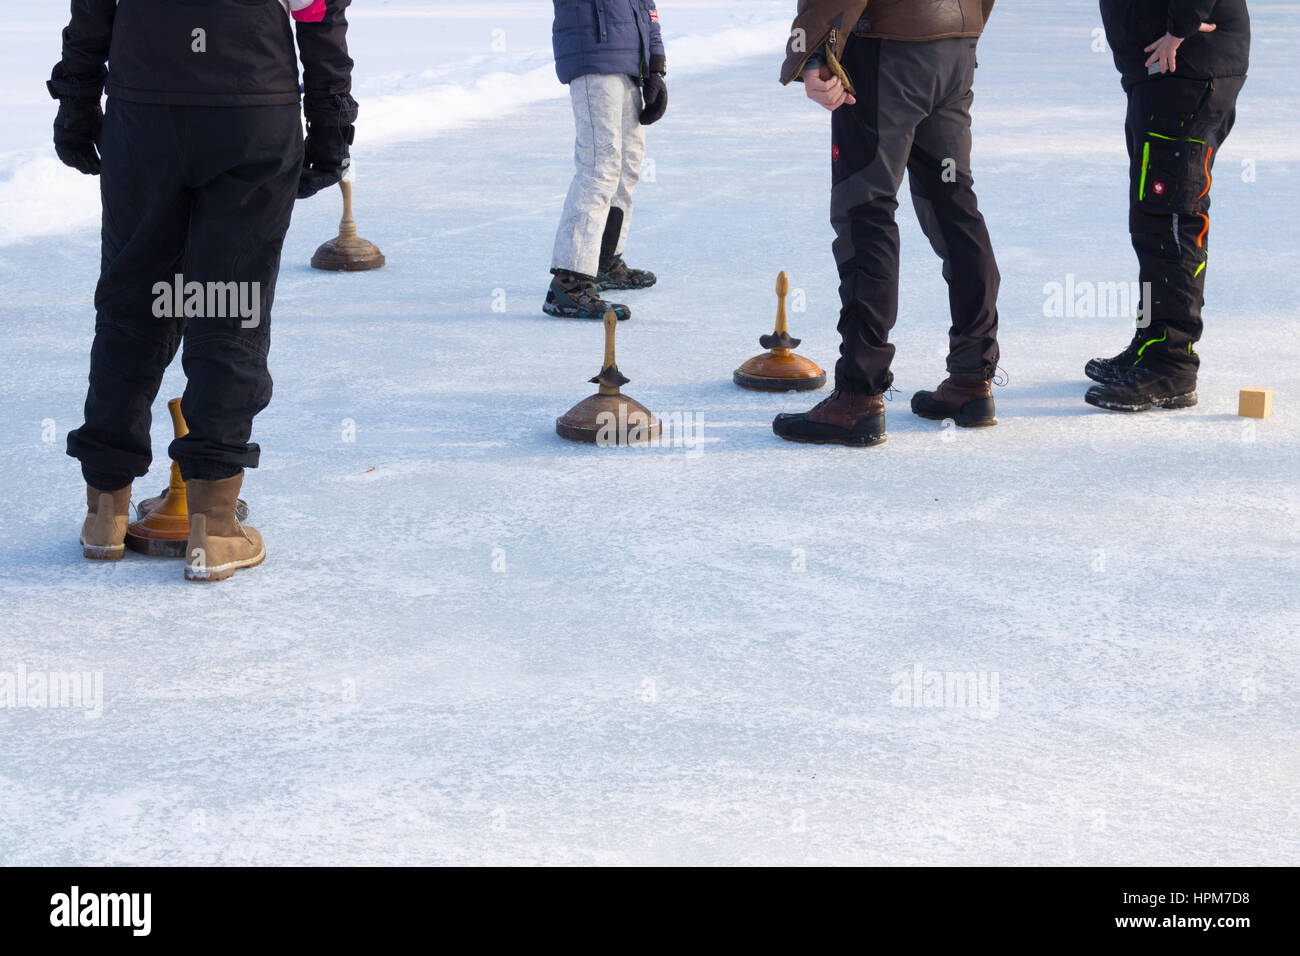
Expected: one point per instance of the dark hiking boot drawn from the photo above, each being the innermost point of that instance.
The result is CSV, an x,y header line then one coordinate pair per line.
x,y
1141,388
1106,371
844,418
618,277
966,399
613,273
574,296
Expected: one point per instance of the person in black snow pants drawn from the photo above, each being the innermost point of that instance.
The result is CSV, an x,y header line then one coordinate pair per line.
x,y
200,154
1183,64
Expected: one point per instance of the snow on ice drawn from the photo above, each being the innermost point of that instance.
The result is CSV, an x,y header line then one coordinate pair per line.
x,y
475,642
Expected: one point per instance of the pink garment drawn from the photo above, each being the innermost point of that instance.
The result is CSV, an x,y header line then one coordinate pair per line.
x,y
312,14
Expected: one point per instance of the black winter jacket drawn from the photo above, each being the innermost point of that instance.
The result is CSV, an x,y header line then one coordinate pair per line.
x,y
1133,25
210,53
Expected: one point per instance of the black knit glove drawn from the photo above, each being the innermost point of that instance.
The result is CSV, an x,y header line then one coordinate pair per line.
x,y
325,157
654,90
77,129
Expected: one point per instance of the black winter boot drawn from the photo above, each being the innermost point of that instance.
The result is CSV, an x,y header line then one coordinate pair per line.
x,y
619,277
844,418
613,272
1141,388
966,399
1109,370
574,296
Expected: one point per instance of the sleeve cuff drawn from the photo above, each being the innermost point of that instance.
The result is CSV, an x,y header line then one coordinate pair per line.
x,y
75,87
1181,30
340,110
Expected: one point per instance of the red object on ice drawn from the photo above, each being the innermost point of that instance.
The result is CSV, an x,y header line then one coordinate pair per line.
x,y
313,14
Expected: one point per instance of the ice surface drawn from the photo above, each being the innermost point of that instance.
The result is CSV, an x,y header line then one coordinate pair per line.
x,y
650,679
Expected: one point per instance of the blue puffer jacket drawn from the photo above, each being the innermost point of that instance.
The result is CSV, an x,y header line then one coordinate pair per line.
x,y
606,36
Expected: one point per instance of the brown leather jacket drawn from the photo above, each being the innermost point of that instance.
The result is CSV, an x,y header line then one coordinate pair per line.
x,y
830,22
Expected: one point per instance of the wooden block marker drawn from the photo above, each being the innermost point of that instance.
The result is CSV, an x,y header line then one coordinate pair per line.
x,y
347,252
1255,403
609,417
779,369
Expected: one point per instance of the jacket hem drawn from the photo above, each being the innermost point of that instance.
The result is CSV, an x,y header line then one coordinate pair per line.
x,y
962,34
182,98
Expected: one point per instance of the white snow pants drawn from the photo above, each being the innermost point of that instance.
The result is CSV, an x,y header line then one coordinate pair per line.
x,y
609,151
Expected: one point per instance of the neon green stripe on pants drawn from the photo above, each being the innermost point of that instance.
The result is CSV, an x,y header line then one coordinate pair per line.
x,y
1146,162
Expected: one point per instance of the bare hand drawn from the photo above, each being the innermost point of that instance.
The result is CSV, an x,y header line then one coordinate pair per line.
x,y
1165,50
824,88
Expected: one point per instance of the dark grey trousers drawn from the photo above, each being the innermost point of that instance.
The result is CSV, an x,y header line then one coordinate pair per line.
x,y
912,115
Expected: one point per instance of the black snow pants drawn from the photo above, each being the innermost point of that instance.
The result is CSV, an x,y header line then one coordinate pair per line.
x,y
1174,129
912,115
204,194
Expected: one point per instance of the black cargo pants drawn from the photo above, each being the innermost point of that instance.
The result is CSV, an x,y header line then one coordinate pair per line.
x,y
204,193
1175,127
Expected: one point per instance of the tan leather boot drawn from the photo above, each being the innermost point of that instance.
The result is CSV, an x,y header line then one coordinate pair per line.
x,y
219,545
103,533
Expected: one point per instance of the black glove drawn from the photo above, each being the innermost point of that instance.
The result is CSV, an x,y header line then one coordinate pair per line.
x,y
325,157
76,133
654,90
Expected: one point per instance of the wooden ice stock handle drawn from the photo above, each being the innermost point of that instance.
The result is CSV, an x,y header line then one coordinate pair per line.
x,y
611,322
347,225
782,290
175,504
179,428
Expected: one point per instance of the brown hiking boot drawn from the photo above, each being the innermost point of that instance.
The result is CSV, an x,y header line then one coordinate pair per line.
x,y
218,545
103,533
845,418
966,399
